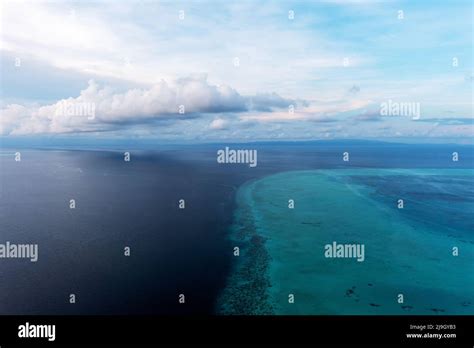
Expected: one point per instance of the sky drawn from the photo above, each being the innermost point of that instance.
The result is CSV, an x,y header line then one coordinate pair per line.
x,y
248,70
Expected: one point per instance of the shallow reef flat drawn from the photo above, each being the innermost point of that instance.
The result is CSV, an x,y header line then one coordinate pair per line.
x,y
408,251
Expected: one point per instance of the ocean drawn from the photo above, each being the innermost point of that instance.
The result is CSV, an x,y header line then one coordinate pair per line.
x,y
190,251
406,251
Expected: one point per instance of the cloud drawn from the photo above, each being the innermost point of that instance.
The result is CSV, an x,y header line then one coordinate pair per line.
x,y
354,89
132,41
11,117
137,52
449,121
369,116
218,124
314,111
102,108
265,102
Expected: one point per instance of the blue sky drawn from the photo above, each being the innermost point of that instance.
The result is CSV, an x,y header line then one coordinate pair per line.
x,y
237,71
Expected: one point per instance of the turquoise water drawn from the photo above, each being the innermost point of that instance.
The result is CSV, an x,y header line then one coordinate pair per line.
x,y
408,251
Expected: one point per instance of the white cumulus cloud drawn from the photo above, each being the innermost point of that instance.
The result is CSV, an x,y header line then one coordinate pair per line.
x,y
103,108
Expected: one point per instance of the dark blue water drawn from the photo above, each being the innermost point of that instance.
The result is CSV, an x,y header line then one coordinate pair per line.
x,y
135,204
